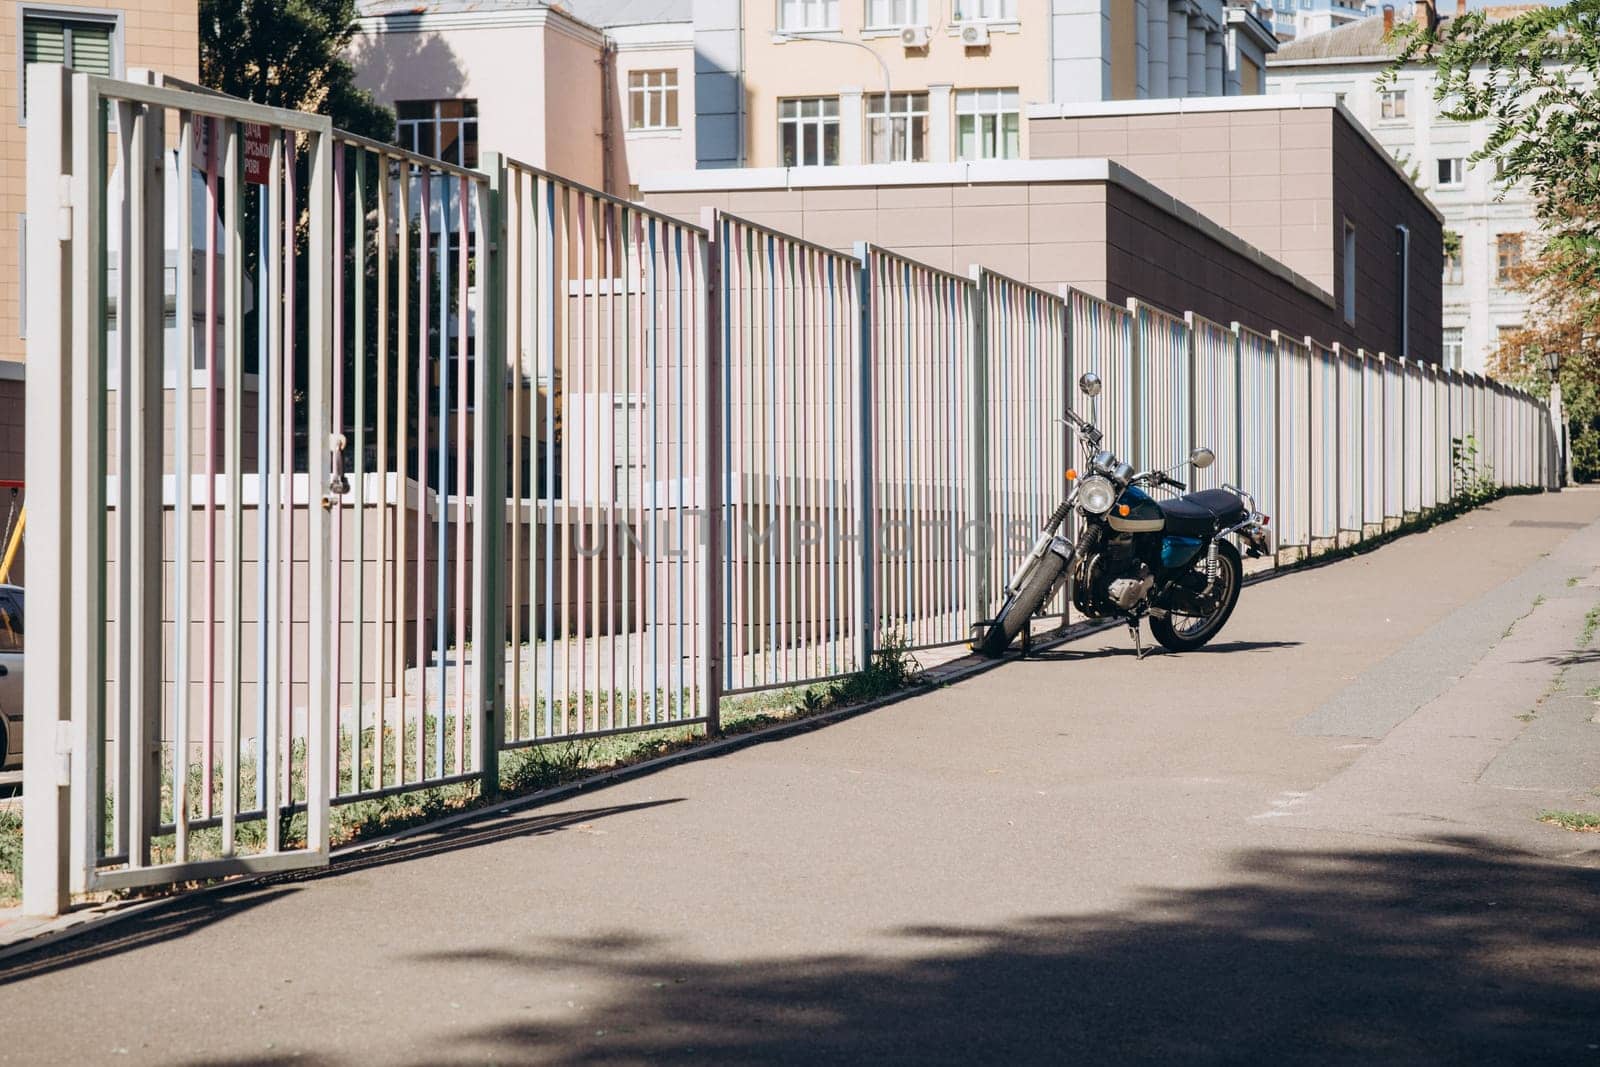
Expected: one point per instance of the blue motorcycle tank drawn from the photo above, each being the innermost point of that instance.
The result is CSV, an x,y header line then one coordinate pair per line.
x,y
1179,551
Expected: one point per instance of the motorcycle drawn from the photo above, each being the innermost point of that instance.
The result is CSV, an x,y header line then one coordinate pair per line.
x,y
1135,555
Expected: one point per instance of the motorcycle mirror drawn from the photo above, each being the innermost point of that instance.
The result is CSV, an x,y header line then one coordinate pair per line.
x,y
1201,458
1089,383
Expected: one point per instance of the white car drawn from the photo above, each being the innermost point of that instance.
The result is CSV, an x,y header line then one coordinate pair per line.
x,y
10,677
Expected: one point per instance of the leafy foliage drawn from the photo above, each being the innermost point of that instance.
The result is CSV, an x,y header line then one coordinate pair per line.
x,y
1531,75
289,54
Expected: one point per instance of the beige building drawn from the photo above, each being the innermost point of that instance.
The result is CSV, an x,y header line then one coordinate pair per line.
x,y
597,92
161,35
838,82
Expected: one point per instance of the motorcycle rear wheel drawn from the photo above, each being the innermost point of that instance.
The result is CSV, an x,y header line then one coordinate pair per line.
x,y
1021,606
1185,633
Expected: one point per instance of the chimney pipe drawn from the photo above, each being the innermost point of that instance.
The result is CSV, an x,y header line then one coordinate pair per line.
x,y
1388,19
1461,8
1427,16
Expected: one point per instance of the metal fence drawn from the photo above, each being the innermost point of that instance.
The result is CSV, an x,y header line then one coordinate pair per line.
x,y
353,470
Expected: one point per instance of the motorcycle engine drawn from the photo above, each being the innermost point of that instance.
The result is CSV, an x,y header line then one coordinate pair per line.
x,y
1126,593
1111,581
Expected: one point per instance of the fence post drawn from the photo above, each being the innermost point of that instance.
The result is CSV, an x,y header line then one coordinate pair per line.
x,y
866,609
978,451
716,397
50,253
1285,506
323,716
489,472
1135,384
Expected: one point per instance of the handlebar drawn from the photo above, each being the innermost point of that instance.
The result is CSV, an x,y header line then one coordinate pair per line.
x,y
1170,480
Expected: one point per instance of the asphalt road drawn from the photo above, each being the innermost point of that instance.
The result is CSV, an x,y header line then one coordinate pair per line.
x,y
1314,842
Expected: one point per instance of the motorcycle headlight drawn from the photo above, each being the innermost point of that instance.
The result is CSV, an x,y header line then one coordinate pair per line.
x,y
1096,495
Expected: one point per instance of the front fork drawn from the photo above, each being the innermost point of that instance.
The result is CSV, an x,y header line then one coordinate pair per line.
x,y
1047,542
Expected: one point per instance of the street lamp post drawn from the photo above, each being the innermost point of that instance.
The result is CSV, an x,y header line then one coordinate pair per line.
x,y
1552,362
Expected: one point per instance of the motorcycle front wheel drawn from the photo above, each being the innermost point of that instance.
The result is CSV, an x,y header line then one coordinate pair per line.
x,y
1021,605
1185,633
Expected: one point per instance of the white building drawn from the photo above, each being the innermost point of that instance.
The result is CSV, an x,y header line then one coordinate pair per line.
x,y
1495,225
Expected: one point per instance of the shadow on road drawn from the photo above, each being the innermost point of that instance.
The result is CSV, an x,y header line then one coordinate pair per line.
x,y
1068,654
1422,955
189,912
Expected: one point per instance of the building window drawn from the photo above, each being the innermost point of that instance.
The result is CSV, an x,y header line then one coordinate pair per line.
x,y
897,128
1452,265
808,15
1349,293
896,13
1392,104
1452,348
90,44
1339,98
1504,336
1507,257
986,10
443,129
1452,172
808,130
652,100
988,124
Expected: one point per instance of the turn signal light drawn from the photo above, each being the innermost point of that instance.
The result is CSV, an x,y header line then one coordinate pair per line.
x,y
1122,509
1072,475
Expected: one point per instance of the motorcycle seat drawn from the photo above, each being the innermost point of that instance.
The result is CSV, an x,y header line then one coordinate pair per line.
x,y
1202,514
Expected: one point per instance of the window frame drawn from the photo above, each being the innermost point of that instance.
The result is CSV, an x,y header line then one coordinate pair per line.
x,y
1447,344
918,15
1455,271
1007,12
827,27
891,117
820,121
663,92
1513,241
1387,98
437,122
110,16
1458,169
998,114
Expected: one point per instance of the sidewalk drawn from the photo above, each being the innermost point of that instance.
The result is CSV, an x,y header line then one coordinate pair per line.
x,y
1071,857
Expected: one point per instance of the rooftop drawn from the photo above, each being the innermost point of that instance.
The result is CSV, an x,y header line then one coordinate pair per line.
x,y
600,13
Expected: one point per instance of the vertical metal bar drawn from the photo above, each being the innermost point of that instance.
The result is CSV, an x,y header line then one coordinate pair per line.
x,y
496,345
866,458
424,382
358,370
209,668
484,648
233,465
59,347
709,253
442,474
402,407
334,440
140,472
183,517
324,274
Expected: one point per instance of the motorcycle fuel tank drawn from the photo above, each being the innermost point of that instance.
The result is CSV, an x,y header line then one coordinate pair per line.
x,y
1143,514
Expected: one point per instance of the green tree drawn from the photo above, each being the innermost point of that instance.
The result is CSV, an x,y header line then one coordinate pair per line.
x,y
289,54
1531,76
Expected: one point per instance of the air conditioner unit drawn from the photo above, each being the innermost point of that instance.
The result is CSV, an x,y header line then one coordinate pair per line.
x,y
914,37
975,35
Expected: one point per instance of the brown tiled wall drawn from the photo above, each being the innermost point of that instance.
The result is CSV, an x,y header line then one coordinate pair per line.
x,y
160,35
1283,180
1151,256
1097,236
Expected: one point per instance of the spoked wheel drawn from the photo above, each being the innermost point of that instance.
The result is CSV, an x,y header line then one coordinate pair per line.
x,y
1185,633
1021,606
